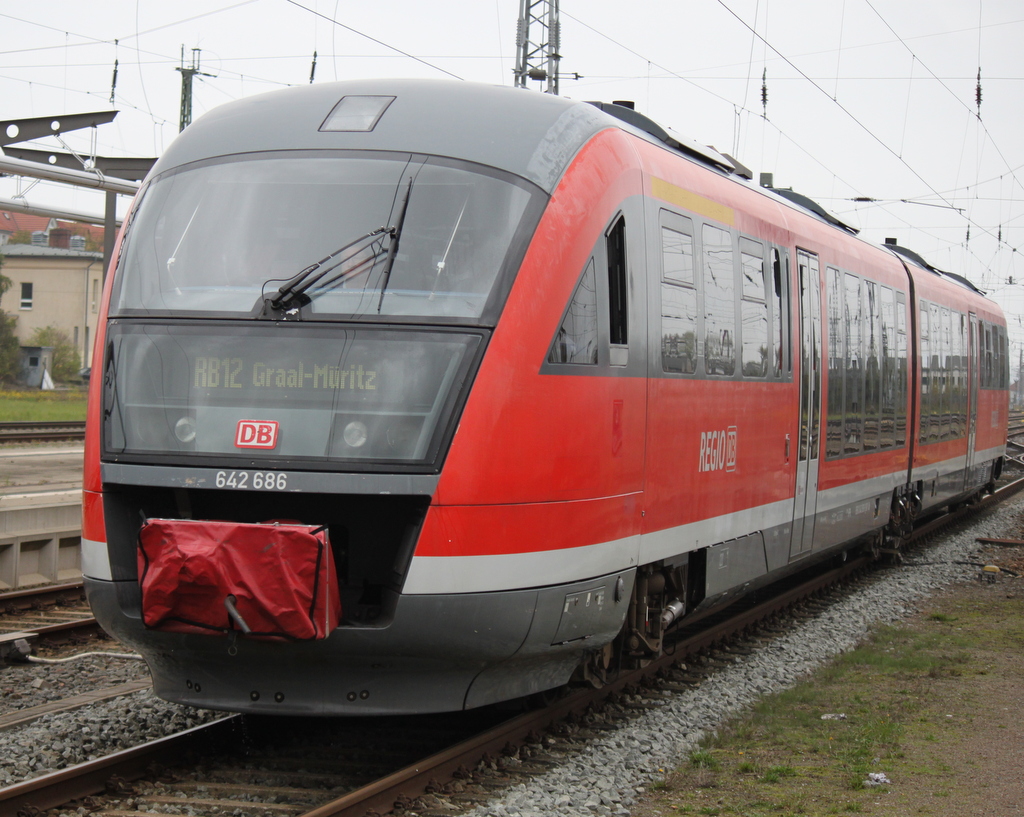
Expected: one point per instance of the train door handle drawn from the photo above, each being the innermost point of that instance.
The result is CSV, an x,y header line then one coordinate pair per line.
x,y
787,448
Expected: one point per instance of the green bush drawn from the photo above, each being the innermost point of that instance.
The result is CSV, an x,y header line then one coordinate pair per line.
x,y
8,340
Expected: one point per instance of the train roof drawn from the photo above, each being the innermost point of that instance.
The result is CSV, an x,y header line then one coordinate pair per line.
x,y
532,135
529,134
912,256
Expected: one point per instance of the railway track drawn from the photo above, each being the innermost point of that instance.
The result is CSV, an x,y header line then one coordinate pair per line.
x,y
334,778
41,432
47,612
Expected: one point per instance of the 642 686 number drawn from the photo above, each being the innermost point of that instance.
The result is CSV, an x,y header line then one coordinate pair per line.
x,y
252,480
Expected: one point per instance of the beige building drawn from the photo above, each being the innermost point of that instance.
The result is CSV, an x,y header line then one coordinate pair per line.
x,y
54,287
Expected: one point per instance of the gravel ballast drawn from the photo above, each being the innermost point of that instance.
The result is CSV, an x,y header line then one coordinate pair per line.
x,y
23,686
610,773
604,777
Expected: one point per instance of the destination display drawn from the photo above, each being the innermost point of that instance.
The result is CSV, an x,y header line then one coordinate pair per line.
x,y
240,373
264,392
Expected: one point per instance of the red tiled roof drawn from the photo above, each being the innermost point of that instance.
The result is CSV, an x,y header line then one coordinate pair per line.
x,y
94,231
15,222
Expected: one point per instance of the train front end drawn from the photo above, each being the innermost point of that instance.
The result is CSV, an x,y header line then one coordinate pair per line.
x,y
304,290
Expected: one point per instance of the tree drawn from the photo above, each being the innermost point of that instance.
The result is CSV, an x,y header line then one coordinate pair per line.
x,y
9,347
66,361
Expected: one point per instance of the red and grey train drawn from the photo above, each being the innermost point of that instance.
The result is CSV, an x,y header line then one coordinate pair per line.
x,y
418,396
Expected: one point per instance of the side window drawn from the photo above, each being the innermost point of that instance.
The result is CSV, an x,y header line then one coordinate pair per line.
x,y
997,357
986,366
719,302
26,295
678,295
754,352
836,342
935,371
618,309
576,340
1004,371
872,368
925,409
853,414
889,368
946,386
956,367
780,314
901,369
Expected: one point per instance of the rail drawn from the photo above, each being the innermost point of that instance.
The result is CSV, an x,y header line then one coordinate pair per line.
x,y
19,432
55,789
47,612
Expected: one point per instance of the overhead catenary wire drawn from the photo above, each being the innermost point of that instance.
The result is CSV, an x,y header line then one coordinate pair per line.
x,y
943,84
832,72
854,118
340,24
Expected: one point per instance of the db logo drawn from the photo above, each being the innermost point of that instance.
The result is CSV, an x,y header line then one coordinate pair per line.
x,y
256,434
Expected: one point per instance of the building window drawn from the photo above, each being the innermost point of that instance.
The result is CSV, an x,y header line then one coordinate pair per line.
x,y
26,295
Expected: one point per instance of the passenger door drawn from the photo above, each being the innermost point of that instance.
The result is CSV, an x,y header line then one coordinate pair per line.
x,y
809,322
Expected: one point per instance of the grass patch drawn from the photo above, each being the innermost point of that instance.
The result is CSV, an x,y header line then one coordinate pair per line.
x,y
776,773
910,696
704,760
42,406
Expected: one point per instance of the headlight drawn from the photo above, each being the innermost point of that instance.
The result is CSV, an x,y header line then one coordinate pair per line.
x,y
355,434
185,429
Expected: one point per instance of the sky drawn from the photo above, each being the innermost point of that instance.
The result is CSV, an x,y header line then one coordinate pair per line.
x,y
871,107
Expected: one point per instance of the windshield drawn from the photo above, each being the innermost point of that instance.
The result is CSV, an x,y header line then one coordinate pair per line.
x,y
223,236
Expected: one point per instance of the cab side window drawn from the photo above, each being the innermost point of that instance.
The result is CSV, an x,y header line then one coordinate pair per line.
x,y
576,339
618,306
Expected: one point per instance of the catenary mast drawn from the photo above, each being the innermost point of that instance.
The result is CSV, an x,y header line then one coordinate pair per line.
x,y
537,55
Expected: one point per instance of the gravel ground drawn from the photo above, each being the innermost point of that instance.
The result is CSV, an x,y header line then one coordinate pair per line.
x,y
610,774
604,778
26,685
56,741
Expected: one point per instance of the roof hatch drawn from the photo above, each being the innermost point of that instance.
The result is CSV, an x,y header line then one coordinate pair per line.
x,y
356,113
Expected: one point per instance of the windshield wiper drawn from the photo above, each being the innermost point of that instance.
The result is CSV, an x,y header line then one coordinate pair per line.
x,y
396,234
292,294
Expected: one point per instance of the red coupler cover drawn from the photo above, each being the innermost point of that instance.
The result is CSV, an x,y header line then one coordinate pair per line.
x,y
278,577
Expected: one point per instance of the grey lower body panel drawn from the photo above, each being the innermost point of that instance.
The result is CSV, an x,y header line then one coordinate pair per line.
x,y
438,653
